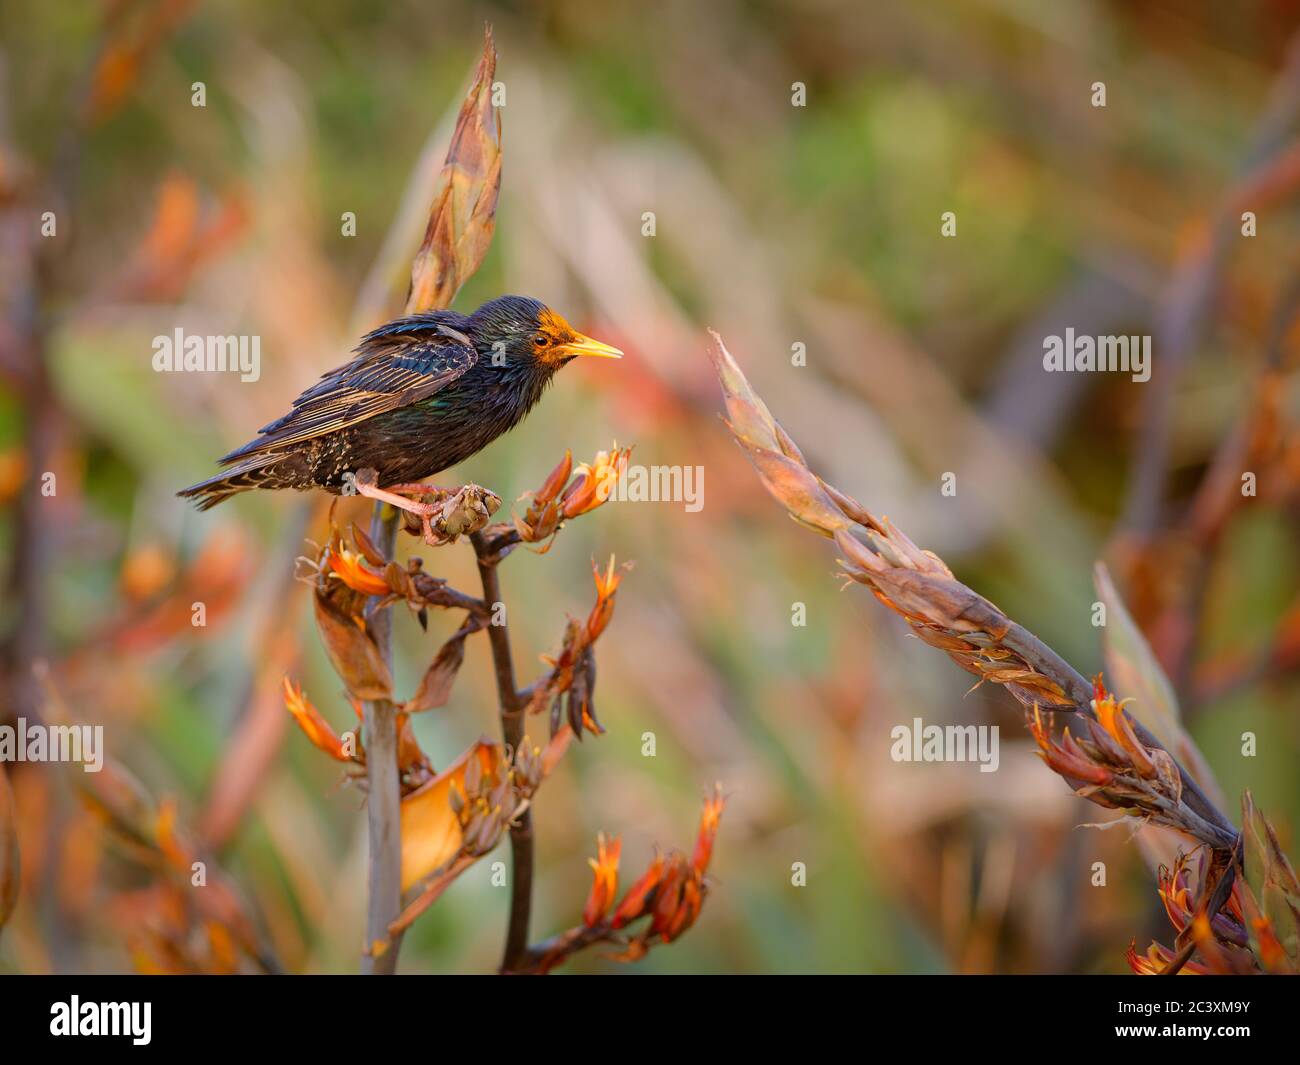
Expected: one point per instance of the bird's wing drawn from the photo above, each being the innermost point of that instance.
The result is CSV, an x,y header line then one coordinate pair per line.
x,y
398,364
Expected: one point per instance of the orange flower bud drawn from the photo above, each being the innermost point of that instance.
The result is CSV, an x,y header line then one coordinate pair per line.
x,y
580,496
557,479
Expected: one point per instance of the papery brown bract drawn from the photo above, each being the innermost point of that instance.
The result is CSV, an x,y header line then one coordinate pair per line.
x,y
340,619
435,685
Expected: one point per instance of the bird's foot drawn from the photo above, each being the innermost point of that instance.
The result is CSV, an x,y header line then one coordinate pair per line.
x,y
463,511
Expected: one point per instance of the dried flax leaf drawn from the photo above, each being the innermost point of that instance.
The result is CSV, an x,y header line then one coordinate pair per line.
x,y
463,213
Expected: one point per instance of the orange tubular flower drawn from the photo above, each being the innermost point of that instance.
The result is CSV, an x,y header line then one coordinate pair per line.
x,y
640,895
309,719
604,886
594,482
1113,719
350,568
560,498
691,904
606,586
176,853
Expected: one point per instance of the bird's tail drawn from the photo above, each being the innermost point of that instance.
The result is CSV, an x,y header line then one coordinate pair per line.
x,y
244,477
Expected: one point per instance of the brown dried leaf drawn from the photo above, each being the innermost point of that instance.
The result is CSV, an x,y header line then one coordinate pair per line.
x,y
435,685
354,655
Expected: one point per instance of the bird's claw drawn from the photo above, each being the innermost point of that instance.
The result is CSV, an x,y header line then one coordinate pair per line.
x,y
460,512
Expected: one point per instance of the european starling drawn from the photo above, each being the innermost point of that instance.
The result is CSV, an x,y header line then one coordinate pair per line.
x,y
421,394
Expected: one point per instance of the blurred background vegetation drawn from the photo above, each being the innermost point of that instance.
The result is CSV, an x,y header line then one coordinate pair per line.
x,y
776,225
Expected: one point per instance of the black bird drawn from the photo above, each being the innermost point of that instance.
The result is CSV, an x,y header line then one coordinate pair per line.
x,y
422,393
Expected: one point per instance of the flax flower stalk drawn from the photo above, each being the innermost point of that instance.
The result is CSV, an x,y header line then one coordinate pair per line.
x,y
942,611
461,222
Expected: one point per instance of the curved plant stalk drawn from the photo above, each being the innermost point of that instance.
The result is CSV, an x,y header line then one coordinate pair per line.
x,y
1114,761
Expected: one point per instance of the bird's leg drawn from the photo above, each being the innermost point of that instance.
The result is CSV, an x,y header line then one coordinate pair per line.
x,y
364,483
418,488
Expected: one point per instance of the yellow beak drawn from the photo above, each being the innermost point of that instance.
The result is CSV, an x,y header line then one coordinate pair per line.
x,y
584,345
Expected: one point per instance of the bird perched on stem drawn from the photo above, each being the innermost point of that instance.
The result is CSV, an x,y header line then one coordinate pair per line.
x,y
421,394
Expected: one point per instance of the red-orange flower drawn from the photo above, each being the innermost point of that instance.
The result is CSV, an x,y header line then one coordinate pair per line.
x,y
560,498
594,482
640,895
1066,758
604,886
1114,720
672,911
309,719
350,568
606,586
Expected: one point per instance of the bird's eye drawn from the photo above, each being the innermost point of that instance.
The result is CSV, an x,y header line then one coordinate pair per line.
x,y
541,340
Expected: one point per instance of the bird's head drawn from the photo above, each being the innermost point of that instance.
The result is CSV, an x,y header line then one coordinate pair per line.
x,y
523,331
